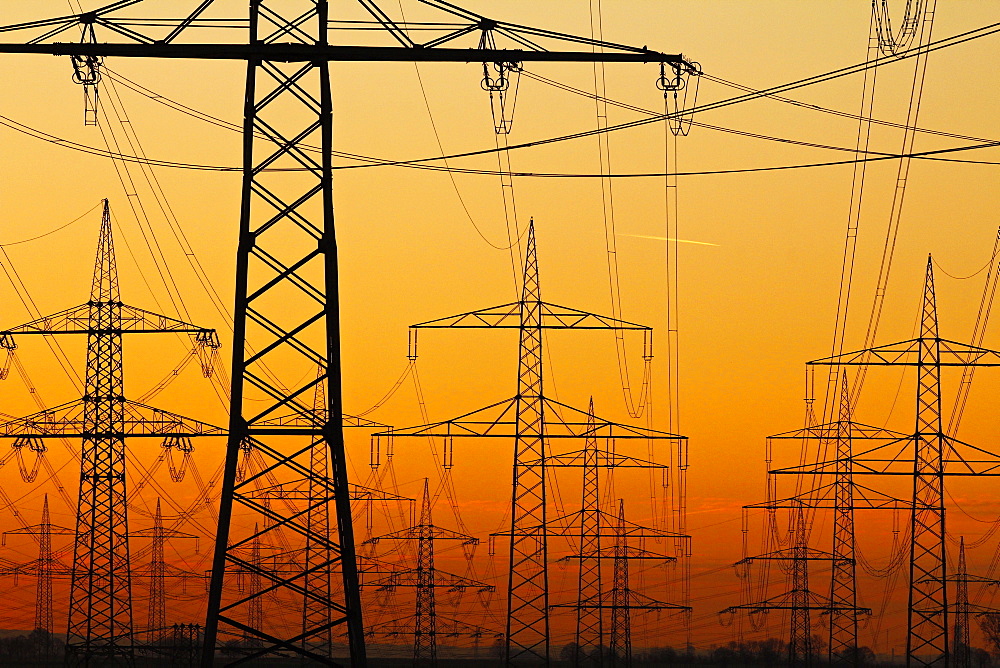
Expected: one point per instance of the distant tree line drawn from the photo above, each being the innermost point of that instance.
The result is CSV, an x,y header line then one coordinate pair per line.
x,y
37,644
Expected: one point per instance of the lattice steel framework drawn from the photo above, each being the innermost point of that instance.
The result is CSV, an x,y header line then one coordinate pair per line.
x,y
589,621
621,599
426,578
590,636
286,285
935,455
961,641
158,570
100,607
44,568
531,420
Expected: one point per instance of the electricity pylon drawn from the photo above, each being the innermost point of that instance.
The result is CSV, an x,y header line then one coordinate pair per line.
x,y
622,599
44,568
426,578
800,601
961,642
590,618
935,455
843,497
531,420
100,607
287,234
317,557
157,571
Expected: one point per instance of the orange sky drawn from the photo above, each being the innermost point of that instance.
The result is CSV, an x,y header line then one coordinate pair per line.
x,y
754,306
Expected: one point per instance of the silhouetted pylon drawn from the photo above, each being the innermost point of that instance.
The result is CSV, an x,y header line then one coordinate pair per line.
x,y
44,568
531,420
157,570
100,607
425,579
935,455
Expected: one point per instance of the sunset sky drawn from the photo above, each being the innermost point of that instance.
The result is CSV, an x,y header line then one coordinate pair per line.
x,y
758,289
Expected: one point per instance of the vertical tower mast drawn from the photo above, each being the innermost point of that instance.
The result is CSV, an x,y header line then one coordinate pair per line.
x,y
528,591
43,596
425,578
425,621
590,620
319,576
157,619
961,641
100,603
621,618
286,233
927,612
927,615
843,587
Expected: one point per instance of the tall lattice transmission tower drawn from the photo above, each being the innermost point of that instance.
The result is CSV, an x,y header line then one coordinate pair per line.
x,y
45,568
930,456
286,306
843,496
425,579
100,607
158,571
532,420
595,524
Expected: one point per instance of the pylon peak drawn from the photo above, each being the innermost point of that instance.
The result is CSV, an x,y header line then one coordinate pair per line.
x,y
104,287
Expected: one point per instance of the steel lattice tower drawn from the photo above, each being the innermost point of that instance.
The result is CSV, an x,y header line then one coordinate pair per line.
x,y
590,617
622,599
286,304
527,584
531,420
927,636
928,600
843,581
963,609
621,617
156,621
157,570
962,641
44,568
100,606
843,497
426,578
590,621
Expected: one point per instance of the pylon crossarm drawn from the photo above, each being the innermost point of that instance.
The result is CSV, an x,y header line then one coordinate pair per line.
x,y
77,320
611,526
314,418
829,431
789,601
69,420
418,532
627,551
38,529
907,353
601,458
499,420
35,567
442,580
789,554
633,601
525,43
446,626
508,316
824,498
299,489
955,462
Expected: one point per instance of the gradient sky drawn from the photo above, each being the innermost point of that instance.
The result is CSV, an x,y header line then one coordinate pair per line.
x,y
755,305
